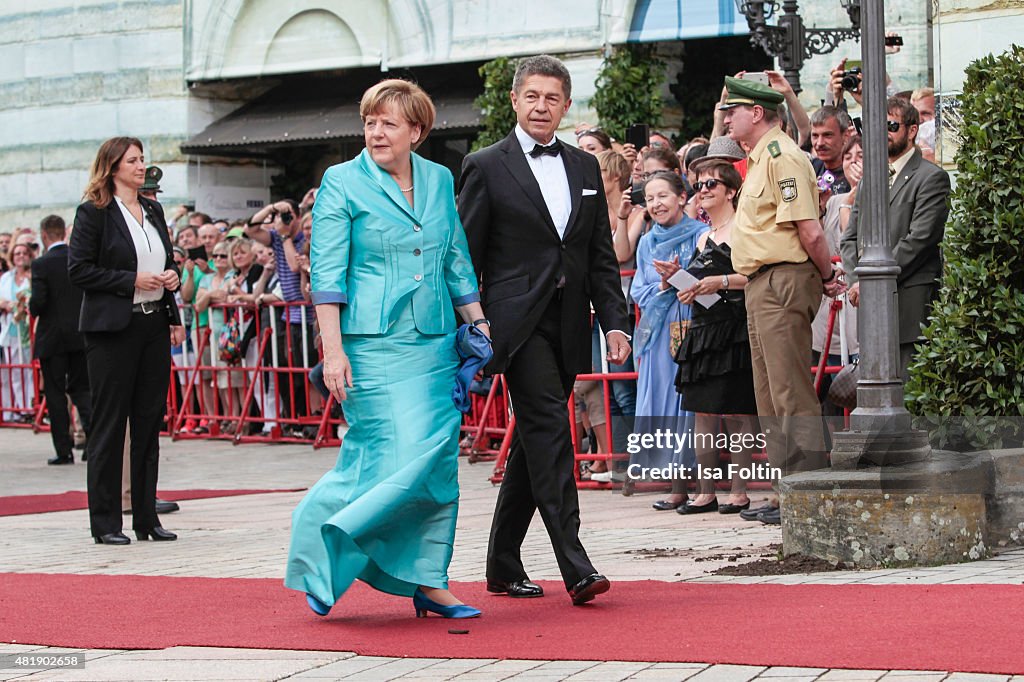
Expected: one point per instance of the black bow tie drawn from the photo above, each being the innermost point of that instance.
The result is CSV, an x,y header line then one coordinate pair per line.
x,y
553,149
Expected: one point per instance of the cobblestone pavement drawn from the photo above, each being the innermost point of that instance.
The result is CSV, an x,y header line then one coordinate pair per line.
x,y
626,539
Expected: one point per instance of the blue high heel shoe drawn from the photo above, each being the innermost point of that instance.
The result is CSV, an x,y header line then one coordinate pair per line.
x,y
319,608
424,604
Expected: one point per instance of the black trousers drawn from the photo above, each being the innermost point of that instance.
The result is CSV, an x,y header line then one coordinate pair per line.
x,y
129,371
539,470
66,374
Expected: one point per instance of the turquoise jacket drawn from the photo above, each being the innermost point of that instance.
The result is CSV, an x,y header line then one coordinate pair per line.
x,y
372,252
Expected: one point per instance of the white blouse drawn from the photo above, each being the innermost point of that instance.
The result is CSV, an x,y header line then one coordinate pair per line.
x,y
152,257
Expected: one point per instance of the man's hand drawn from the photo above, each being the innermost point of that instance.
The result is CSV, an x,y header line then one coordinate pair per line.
x,y
618,347
853,295
892,49
148,281
834,288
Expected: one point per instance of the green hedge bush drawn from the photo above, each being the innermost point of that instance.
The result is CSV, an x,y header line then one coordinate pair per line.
x,y
494,104
973,362
629,89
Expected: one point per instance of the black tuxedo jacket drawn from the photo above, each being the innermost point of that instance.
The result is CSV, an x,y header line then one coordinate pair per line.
x,y
55,302
520,259
918,208
102,261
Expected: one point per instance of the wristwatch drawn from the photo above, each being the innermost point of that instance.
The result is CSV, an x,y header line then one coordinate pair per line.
x,y
725,281
482,320
831,277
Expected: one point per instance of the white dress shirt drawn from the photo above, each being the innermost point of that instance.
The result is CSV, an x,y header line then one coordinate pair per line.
x,y
553,181
149,251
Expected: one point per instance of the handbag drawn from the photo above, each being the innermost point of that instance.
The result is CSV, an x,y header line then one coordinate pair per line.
x,y
843,391
230,342
677,332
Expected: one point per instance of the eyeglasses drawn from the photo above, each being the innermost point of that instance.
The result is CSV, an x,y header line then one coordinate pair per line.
x,y
220,255
710,184
893,126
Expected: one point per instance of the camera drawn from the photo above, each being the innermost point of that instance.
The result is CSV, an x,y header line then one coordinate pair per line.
x,y
287,217
851,79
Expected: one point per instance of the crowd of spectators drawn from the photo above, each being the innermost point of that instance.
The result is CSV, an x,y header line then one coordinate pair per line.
x,y
241,277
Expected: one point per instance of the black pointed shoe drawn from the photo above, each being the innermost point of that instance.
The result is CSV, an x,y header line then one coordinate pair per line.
x,y
518,589
156,534
588,588
57,461
733,508
117,538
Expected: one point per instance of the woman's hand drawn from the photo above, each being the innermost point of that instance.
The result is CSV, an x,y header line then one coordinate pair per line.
x,y
337,374
666,268
629,153
148,281
625,204
216,295
177,335
170,279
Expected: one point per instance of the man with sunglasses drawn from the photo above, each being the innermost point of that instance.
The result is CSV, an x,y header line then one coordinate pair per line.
x,y
918,207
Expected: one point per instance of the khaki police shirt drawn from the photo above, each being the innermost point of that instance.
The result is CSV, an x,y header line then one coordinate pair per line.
x,y
780,189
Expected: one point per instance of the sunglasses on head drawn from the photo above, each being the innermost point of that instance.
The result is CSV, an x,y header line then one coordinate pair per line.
x,y
588,131
893,126
710,183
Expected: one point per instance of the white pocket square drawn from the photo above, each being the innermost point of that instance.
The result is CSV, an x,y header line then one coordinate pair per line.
x,y
589,192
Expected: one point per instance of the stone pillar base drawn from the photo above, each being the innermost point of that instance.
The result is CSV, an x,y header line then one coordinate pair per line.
x,y
915,514
853,449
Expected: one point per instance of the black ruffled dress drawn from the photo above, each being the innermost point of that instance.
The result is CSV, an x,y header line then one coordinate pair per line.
x,y
715,375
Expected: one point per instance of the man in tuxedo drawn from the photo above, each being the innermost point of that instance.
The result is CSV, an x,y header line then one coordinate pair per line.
x,y
918,207
58,344
537,223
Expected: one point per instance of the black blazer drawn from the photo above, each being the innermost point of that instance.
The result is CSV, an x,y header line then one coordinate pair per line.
x,y
520,259
55,302
102,261
918,208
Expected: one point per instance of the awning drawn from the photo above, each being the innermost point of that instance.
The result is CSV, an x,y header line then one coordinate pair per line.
x,y
254,128
657,20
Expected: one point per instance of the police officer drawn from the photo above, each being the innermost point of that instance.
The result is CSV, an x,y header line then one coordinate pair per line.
x,y
151,187
779,245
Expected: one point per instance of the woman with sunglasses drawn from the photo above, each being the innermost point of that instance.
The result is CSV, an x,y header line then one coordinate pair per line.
x,y
715,375
215,289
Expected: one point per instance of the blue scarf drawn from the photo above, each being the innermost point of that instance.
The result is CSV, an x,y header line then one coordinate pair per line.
x,y
665,242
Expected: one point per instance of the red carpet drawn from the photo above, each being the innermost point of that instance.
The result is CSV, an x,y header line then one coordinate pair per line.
x,y
15,505
971,628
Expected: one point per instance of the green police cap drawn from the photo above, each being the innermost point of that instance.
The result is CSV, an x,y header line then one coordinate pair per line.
x,y
152,184
751,93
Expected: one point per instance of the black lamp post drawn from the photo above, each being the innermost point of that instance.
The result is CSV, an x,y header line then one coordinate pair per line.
x,y
788,40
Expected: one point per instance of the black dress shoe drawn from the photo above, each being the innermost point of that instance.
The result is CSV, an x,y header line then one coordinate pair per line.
x,y
689,508
733,508
56,461
519,589
156,534
588,588
772,517
117,538
665,505
751,514
165,507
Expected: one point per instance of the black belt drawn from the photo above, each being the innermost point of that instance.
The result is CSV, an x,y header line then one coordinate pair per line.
x,y
148,307
765,268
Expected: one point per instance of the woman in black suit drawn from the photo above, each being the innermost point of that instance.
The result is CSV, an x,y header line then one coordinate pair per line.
x,y
120,256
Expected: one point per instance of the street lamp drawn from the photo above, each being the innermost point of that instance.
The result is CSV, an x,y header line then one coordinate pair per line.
x,y
788,40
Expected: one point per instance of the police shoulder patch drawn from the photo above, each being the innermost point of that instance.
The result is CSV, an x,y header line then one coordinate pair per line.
x,y
774,149
788,189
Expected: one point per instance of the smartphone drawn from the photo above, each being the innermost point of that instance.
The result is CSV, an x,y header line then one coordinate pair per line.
x,y
894,41
197,253
638,135
637,195
756,76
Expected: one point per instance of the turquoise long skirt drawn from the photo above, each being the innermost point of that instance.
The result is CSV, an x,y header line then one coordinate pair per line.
x,y
385,514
